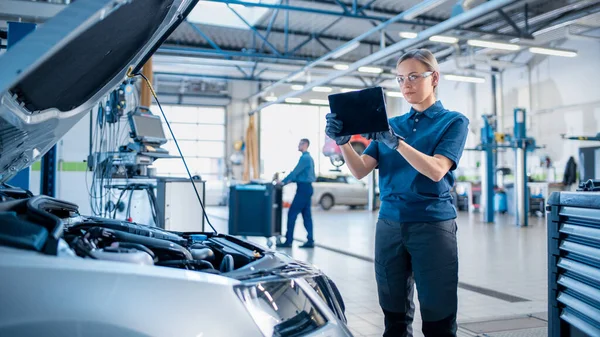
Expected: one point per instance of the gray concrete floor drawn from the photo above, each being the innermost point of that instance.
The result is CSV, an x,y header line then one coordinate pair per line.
x,y
496,257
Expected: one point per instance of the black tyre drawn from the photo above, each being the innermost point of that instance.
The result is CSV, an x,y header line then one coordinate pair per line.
x,y
327,202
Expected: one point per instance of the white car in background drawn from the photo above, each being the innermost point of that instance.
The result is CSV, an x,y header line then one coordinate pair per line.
x,y
334,190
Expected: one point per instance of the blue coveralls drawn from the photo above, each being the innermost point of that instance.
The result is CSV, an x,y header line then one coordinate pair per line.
x,y
303,175
416,232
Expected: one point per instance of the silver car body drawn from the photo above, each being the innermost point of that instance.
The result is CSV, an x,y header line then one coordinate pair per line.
x,y
345,190
49,81
64,296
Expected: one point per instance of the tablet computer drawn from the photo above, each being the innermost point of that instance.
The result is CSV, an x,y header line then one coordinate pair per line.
x,y
360,111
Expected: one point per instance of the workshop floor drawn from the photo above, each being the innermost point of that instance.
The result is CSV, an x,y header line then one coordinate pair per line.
x,y
502,270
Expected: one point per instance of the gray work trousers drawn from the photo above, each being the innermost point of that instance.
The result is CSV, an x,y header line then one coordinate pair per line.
x,y
421,253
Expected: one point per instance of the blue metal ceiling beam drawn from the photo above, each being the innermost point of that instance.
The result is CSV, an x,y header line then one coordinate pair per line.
x,y
391,51
302,44
193,51
286,28
269,27
365,6
514,25
323,44
420,22
218,77
256,32
344,8
295,8
415,9
204,36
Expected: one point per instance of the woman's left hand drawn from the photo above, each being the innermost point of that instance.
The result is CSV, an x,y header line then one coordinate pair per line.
x,y
388,138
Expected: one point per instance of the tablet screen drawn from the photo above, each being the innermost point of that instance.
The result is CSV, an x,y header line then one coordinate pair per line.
x,y
360,111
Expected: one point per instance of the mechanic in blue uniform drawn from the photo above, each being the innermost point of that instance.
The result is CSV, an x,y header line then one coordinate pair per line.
x,y
303,175
415,239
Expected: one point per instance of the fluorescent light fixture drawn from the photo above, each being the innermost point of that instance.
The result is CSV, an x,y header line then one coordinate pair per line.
x,y
322,89
271,98
553,52
493,45
348,90
370,70
319,101
294,100
345,50
394,94
340,66
424,9
408,35
444,39
460,78
297,87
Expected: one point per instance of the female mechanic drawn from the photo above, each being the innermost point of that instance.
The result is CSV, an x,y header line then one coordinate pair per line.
x,y
415,239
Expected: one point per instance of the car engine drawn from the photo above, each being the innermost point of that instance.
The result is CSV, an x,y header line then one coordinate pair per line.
x,y
55,227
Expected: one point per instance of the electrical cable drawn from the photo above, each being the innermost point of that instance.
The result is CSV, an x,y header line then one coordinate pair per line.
x,y
154,206
129,74
129,202
117,204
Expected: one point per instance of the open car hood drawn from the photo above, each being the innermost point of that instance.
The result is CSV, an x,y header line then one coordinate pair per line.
x,y
55,75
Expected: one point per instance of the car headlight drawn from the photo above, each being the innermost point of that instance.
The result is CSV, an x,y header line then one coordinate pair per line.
x,y
330,294
281,308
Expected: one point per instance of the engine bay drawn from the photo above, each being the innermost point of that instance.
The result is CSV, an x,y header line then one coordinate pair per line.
x,y
48,225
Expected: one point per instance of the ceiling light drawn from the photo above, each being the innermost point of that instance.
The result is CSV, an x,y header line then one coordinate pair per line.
x,y
322,89
394,94
408,35
444,39
370,70
319,101
340,66
348,89
553,52
297,87
494,45
270,98
460,78
293,100
344,50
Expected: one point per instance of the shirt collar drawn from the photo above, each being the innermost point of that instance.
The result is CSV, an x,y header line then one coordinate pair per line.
x,y
429,112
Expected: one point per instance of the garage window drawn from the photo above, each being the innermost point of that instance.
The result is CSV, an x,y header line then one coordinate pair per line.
x,y
281,127
200,132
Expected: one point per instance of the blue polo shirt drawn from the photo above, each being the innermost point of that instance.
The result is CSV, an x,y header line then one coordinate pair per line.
x,y
304,172
406,195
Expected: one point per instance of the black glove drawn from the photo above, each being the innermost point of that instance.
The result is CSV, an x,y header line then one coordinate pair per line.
x,y
389,138
333,127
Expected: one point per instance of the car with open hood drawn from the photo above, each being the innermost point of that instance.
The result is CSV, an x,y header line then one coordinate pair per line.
x,y
67,274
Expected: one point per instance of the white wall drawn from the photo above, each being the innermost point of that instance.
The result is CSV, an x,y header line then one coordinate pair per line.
x,y
561,96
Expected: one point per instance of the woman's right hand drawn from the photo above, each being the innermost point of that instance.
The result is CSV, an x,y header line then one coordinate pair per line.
x,y
334,127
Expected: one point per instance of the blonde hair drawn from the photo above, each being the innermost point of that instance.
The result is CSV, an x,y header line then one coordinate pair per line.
x,y
425,57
